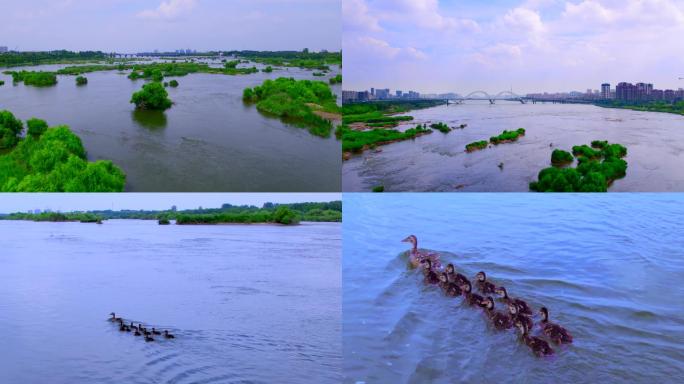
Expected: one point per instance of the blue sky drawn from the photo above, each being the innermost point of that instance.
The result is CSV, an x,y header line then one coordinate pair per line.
x,y
529,45
145,25
21,202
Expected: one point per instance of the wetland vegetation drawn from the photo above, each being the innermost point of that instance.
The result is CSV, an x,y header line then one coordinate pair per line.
x,y
652,106
302,59
152,96
476,145
507,136
360,140
36,79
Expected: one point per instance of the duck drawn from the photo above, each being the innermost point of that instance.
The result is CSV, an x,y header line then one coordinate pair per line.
x,y
168,335
499,319
515,315
430,275
450,289
471,298
122,328
538,346
137,333
417,256
133,326
155,332
523,308
483,285
113,317
555,332
149,338
454,277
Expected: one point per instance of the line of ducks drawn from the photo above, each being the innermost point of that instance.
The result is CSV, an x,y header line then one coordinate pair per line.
x,y
519,313
138,330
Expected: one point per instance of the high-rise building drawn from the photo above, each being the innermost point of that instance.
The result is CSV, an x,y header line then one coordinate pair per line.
x,y
626,91
382,94
399,93
605,91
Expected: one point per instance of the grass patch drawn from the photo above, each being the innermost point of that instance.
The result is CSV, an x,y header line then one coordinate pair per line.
x,y
36,79
559,157
358,141
507,136
441,127
476,145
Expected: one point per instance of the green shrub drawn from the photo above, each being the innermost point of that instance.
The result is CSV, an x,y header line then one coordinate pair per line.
x,y
173,83
285,215
379,188
152,96
441,127
561,157
336,80
476,145
80,80
10,129
36,127
268,69
507,136
36,79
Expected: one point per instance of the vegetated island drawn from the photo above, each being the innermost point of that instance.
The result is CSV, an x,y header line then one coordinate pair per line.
x,y
650,106
36,79
152,96
354,141
268,213
81,80
302,59
504,137
336,80
598,166
305,103
23,59
50,160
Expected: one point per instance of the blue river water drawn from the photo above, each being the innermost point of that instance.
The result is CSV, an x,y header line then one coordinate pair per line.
x,y
608,267
247,303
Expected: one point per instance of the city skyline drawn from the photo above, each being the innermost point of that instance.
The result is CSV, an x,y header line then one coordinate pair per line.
x,y
535,45
128,26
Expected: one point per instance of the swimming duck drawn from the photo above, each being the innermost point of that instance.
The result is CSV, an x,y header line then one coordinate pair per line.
x,y
137,333
471,298
418,256
122,328
555,332
538,346
515,315
499,319
168,335
113,317
148,338
523,308
455,277
450,289
430,275
155,332
133,326
483,285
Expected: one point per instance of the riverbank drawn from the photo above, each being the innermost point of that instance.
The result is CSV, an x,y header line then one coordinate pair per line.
x,y
676,108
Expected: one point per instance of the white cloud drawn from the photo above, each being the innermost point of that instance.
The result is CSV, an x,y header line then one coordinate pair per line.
x,y
380,49
355,16
168,10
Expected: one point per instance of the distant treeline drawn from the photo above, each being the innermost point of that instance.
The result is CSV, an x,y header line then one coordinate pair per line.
x,y
302,59
647,106
227,213
13,59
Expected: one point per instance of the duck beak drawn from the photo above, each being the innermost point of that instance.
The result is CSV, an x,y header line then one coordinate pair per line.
x,y
406,240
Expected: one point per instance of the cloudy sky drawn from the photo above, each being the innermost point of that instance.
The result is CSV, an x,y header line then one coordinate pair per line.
x,y
21,202
493,45
145,25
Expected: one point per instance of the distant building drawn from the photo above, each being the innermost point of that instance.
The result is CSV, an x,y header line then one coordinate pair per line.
x,y
399,93
605,91
3,49
382,94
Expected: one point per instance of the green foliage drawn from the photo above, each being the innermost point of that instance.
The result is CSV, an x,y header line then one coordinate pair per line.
x,y
17,59
36,79
295,101
336,80
379,188
284,215
81,80
173,83
357,141
2,82
441,127
164,222
83,217
152,96
302,59
55,161
232,64
318,74
595,171
36,127
646,106
376,114
507,136
157,75
474,146
561,157
268,69
10,129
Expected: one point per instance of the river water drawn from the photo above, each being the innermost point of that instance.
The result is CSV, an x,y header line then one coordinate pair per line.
x,y
247,304
438,162
608,267
209,141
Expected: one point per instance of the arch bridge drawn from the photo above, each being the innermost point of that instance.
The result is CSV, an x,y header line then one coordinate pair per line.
x,y
482,95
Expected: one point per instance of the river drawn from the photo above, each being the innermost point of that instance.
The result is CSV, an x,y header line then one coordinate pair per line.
x,y
608,267
247,303
438,162
209,141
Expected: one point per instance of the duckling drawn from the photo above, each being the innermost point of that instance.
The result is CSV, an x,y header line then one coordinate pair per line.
x,y
122,328
555,332
538,346
499,319
523,308
155,332
418,256
471,298
455,277
429,273
148,338
450,289
483,285
515,315
133,326
137,333
168,335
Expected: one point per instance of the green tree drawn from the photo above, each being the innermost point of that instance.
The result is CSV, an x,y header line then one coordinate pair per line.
x,y
81,80
285,215
36,127
173,83
152,96
10,129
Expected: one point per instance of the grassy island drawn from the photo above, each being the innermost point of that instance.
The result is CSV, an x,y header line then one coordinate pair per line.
x,y
441,127
173,83
164,221
380,114
305,103
598,166
36,79
152,96
358,141
81,80
336,80
302,59
83,217
507,136
21,59
148,71
476,145
560,157
50,160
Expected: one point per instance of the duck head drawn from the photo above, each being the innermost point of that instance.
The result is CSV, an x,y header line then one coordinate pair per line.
x,y
427,264
450,268
443,277
512,309
481,276
501,291
522,327
544,314
413,240
112,314
488,303
466,287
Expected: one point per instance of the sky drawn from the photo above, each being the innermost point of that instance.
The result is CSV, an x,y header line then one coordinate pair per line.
x,y
65,202
527,45
130,26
